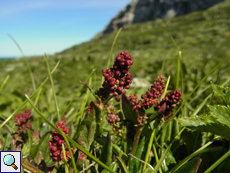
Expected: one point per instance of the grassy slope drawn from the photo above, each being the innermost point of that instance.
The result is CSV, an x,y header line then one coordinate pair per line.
x,y
203,38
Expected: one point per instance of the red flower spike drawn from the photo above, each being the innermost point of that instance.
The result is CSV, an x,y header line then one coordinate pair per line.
x,y
113,119
117,78
23,121
153,93
55,145
171,101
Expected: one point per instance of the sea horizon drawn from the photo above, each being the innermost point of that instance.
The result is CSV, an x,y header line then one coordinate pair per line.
x,y
8,57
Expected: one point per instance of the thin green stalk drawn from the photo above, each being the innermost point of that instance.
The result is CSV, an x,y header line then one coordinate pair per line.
x,y
68,138
178,71
205,100
158,165
150,143
64,154
136,139
111,51
77,93
220,160
84,104
52,85
23,104
141,161
198,95
200,106
182,104
125,144
135,142
27,64
4,82
174,42
70,151
36,101
166,87
156,157
197,152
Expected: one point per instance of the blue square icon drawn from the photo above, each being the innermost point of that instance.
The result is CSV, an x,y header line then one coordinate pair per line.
x,y
10,161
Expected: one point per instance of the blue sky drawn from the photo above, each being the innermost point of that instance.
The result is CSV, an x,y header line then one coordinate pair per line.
x,y
50,26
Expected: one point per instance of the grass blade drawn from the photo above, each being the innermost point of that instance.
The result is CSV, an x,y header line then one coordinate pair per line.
x,y
165,153
78,92
4,82
197,152
182,104
52,85
218,162
69,139
23,104
84,104
27,64
178,71
111,51
70,151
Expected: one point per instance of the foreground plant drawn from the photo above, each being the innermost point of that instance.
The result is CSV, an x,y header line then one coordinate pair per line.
x,y
55,145
120,132
134,117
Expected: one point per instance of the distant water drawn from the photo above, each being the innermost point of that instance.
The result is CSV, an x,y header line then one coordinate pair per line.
x,y
7,57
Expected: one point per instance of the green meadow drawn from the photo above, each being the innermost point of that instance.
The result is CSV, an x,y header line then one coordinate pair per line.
x,y
192,52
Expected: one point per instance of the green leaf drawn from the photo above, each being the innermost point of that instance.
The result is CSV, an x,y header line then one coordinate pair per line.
x,y
127,109
23,104
88,127
223,92
113,166
91,90
169,159
69,139
139,151
217,121
4,82
44,148
29,167
122,165
116,149
148,170
106,154
191,166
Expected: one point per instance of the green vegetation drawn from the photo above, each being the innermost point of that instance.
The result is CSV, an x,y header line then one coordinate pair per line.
x,y
193,50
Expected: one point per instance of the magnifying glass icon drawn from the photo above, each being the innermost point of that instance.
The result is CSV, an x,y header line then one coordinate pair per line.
x,y
9,160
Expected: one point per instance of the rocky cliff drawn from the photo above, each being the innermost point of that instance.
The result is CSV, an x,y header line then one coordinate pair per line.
x,y
139,11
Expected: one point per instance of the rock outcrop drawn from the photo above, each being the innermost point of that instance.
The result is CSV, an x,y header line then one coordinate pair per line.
x,y
139,11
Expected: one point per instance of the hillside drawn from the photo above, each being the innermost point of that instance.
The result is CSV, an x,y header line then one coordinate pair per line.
x,y
139,11
203,37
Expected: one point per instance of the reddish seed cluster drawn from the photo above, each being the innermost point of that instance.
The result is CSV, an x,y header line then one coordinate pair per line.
x,y
117,78
150,98
82,156
55,145
114,119
142,119
172,100
136,104
23,121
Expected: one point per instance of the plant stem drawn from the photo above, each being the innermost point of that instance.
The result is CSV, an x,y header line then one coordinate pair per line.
x,y
156,157
217,162
151,142
136,139
107,99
